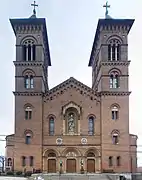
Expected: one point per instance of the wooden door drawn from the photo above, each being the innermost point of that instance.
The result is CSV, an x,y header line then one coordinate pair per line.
x,y
91,165
51,165
71,166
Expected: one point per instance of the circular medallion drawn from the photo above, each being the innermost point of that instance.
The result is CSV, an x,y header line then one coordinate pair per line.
x,y
59,141
83,141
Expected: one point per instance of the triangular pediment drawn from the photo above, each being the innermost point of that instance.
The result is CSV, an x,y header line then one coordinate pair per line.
x,y
71,83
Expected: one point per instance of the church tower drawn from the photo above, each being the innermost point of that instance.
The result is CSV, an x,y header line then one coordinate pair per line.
x,y
31,81
110,77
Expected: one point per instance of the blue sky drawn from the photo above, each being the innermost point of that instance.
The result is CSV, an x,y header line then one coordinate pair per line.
x,y
71,28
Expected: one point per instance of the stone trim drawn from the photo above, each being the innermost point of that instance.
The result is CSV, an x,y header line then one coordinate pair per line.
x,y
28,93
75,82
34,76
70,105
71,83
28,63
107,93
67,145
116,63
28,29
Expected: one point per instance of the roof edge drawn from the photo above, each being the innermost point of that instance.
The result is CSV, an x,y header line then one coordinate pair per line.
x,y
104,22
37,21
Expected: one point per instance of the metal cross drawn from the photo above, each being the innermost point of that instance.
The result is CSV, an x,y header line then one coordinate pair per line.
x,y
106,6
34,5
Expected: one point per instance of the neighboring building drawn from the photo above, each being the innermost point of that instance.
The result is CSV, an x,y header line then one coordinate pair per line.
x,y
72,122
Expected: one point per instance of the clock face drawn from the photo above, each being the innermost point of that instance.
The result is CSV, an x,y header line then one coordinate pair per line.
x,y
59,141
83,141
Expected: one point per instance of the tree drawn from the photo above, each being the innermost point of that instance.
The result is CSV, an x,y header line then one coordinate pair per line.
x,y
2,162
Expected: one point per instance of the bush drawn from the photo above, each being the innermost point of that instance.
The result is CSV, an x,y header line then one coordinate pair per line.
x,y
10,173
37,171
19,173
28,173
108,171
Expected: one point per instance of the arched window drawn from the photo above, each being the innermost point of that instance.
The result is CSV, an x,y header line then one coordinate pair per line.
x,y
110,161
118,161
90,154
9,162
52,154
91,125
71,117
28,138
114,80
51,126
29,81
115,137
29,50
23,161
114,50
114,113
31,161
28,113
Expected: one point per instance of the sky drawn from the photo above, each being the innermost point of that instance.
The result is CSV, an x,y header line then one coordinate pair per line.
x,y
71,26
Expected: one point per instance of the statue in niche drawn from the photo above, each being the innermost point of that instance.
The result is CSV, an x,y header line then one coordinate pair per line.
x,y
71,123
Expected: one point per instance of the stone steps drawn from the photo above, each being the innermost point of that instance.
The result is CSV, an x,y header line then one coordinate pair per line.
x,y
73,177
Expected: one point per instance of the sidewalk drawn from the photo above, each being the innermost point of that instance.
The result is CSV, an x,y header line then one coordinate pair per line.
x,y
12,178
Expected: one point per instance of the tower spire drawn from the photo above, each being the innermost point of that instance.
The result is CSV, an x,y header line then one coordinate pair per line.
x,y
34,10
106,6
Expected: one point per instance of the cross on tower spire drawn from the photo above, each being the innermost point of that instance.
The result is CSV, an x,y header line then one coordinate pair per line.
x,y
106,6
34,5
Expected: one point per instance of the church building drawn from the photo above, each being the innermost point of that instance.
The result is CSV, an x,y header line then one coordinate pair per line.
x,y
72,127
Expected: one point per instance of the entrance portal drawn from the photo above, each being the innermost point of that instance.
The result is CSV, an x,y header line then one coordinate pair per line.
x,y
90,165
71,165
51,165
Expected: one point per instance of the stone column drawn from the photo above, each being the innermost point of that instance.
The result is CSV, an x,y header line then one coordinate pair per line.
x,y
78,127
63,159
98,164
44,164
64,127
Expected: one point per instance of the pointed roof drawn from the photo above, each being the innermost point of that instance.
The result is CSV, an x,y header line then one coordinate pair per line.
x,y
33,16
41,22
72,80
103,23
34,10
71,83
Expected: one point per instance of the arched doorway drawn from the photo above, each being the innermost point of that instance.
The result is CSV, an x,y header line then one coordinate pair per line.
x,y
71,166
71,159
51,165
91,162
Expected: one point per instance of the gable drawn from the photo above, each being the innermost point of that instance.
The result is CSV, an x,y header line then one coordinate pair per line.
x,y
65,86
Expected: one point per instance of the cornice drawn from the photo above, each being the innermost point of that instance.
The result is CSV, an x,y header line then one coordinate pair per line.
x,y
9,145
107,93
64,145
116,63
28,93
28,63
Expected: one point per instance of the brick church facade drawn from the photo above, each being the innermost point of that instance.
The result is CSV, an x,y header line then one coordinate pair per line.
x,y
72,125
